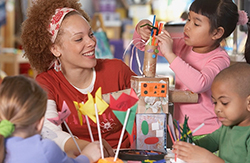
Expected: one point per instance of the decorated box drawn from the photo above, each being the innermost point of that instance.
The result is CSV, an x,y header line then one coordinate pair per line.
x,y
153,93
151,132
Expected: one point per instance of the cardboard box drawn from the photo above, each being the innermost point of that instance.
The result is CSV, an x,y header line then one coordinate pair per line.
x,y
147,104
151,132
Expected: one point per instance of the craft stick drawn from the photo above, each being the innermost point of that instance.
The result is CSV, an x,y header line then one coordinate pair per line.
x,y
160,29
122,133
179,130
189,132
72,136
171,136
153,24
153,38
170,133
99,131
89,128
198,128
150,42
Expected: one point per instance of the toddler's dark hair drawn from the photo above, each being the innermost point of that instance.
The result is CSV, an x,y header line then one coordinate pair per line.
x,y
221,13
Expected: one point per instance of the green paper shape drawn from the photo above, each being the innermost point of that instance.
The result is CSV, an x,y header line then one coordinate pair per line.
x,y
120,115
144,127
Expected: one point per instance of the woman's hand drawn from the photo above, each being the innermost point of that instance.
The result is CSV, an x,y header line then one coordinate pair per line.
x,y
72,151
92,151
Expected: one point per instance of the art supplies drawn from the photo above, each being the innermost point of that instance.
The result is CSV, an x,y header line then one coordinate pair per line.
x,y
141,155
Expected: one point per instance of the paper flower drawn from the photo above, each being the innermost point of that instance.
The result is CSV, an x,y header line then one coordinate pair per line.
x,y
124,101
121,117
89,107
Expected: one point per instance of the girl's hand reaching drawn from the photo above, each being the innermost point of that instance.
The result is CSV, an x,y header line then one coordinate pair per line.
x,y
144,31
193,153
92,151
165,43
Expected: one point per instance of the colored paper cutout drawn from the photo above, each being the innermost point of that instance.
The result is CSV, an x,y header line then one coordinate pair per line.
x,y
151,140
159,133
154,89
155,126
150,50
124,101
61,115
121,117
144,127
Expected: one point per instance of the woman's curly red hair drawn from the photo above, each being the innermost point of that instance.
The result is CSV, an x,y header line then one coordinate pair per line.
x,y
36,39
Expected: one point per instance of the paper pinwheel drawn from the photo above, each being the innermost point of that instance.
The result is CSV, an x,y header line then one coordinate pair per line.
x,y
61,119
89,107
61,115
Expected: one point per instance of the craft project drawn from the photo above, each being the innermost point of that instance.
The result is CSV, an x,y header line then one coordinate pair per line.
x,y
151,132
157,103
126,117
150,59
61,119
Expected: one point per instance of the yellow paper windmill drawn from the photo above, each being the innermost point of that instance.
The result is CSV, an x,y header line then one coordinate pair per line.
x,y
78,111
89,107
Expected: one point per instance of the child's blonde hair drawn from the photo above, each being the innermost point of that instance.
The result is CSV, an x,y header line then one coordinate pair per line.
x,y
22,103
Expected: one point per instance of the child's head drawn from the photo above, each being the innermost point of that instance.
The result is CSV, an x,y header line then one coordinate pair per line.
x,y
22,104
221,13
231,95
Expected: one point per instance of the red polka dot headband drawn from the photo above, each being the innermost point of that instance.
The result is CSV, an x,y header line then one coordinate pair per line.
x,y
56,21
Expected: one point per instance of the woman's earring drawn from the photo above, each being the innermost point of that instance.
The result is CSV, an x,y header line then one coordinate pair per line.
x,y
57,65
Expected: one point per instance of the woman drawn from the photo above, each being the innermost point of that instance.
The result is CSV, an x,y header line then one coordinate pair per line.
x,y
57,34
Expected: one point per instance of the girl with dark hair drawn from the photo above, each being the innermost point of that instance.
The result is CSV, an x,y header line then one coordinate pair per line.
x,y
197,57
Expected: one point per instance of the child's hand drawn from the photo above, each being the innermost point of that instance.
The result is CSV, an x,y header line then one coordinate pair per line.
x,y
107,149
92,151
144,31
193,153
165,43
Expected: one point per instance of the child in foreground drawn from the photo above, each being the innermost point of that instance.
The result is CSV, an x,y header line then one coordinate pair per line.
x,y
231,99
22,108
